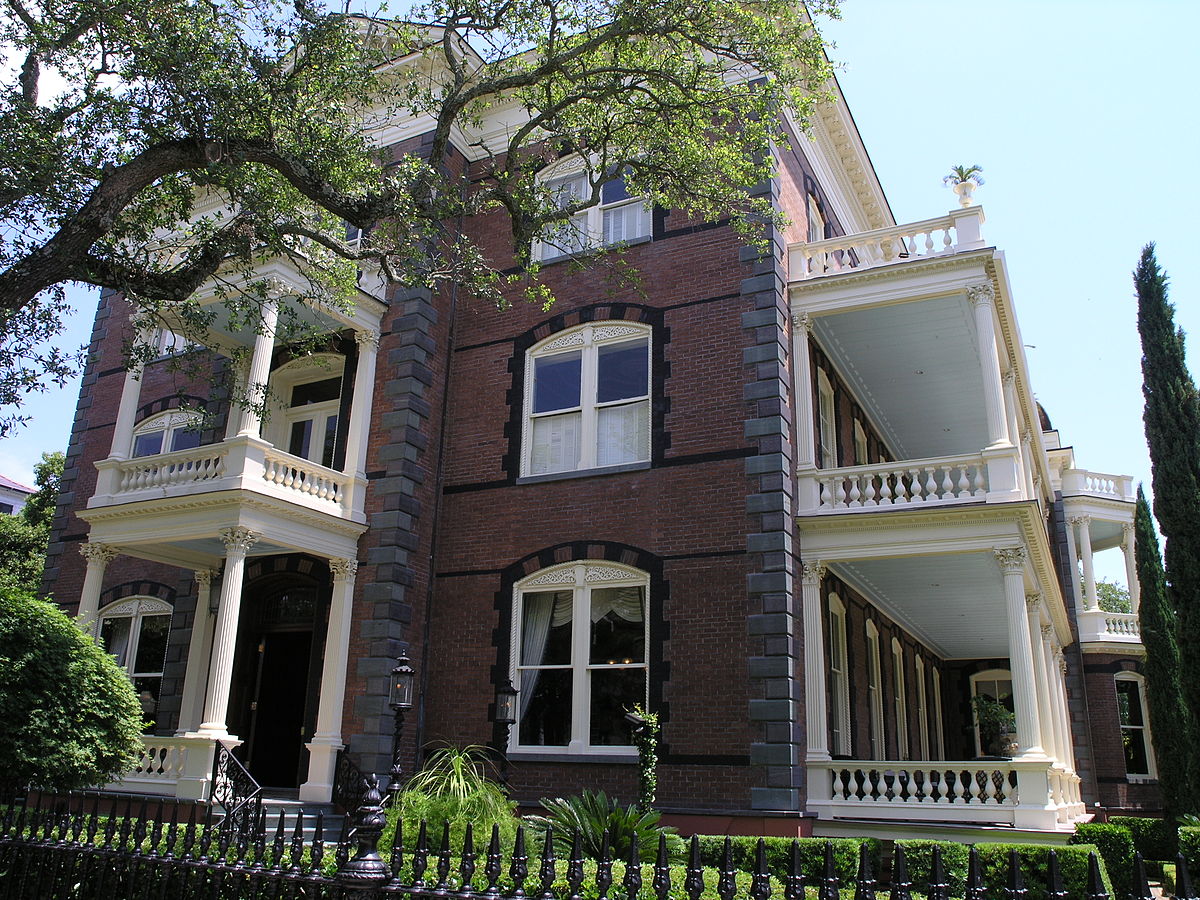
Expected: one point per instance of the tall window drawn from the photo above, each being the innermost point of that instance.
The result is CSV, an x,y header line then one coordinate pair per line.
x,y
134,631
588,395
922,708
899,699
580,646
995,684
939,745
874,692
860,444
167,432
827,421
839,680
618,219
816,221
1135,735
310,392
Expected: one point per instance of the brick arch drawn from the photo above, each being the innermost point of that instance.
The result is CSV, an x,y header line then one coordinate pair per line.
x,y
290,564
660,371
140,589
588,551
172,401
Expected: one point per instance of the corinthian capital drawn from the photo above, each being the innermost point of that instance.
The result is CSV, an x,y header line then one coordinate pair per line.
x,y
343,568
368,337
812,572
238,539
93,551
981,294
1010,559
803,321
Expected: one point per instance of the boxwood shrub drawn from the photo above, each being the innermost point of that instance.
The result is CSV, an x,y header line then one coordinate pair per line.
x,y
812,854
1189,846
1153,838
1115,844
994,860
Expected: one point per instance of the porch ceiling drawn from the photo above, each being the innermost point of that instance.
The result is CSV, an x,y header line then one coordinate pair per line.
x,y
953,602
915,368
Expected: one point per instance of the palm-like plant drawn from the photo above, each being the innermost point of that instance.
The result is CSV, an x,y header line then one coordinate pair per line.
x,y
961,174
592,814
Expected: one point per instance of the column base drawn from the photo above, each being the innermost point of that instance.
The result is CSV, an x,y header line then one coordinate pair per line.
x,y
322,761
215,731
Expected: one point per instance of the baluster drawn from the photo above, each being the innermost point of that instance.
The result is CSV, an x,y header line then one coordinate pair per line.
x,y
838,789
979,474
885,489
929,241
855,495
693,882
864,884
491,868
662,871
519,869
420,857
633,869
1054,883
1095,884
604,869
915,488
902,487
575,873
443,861
1016,879
466,866
964,483
947,484
546,873
901,883
727,880
829,880
930,483
975,888
1183,879
827,501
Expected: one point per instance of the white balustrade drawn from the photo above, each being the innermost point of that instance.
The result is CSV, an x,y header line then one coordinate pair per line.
x,y
1097,484
886,246
303,477
167,469
1098,626
956,479
161,764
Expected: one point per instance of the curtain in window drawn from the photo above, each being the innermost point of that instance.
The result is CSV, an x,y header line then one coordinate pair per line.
x,y
621,434
625,223
114,635
625,603
539,613
555,444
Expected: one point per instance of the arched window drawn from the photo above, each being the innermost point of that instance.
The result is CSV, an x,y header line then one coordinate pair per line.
x,y
135,630
839,679
167,432
309,390
587,397
874,692
579,656
1135,726
899,699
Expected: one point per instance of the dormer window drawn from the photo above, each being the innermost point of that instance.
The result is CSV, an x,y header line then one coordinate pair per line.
x,y
617,219
167,432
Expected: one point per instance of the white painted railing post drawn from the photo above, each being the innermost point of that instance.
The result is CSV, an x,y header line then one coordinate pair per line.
x,y
1036,809
968,227
1020,650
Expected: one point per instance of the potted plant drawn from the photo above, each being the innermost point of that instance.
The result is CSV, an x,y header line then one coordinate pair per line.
x,y
997,725
964,180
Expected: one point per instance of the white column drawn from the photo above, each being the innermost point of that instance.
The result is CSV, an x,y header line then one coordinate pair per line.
x,y
194,682
360,406
983,299
233,420
98,557
238,542
1073,553
1057,706
131,393
805,445
816,714
1131,578
1041,674
1085,552
259,371
1020,652
327,740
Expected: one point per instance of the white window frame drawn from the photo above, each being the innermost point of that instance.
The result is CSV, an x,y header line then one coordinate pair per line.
x,y
166,342
1151,764
580,578
591,224
922,707
587,340
168,422
900,699
878,743
985,675
136,608
816,222
939,750
861,455
827,421
292,374
839,678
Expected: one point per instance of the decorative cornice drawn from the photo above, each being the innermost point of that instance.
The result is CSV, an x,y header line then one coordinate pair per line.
x,y
981,294
97,552
885,273
238,540
1010,559
343,569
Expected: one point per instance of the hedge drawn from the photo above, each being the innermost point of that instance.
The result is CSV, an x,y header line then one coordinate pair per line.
x,y
1189,846
994,861
1153,838
779,849
1115,844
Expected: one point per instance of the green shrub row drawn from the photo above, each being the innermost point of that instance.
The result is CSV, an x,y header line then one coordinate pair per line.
x,y
1153,838
994,861
778,852
1115,845
1189,846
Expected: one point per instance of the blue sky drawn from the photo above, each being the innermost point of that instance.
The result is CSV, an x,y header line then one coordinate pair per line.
x,y
1084,118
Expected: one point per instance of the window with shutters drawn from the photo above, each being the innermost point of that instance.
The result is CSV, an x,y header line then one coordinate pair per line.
x,y
922,709
617,219
587,399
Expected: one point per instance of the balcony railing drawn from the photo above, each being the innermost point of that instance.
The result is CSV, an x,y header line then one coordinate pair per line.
x,y
240,463
977,791
170,767
1079,482
952,233
1098,626
916,482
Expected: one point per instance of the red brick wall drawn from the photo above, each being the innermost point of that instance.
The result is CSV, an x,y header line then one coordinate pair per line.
x,y
1117,793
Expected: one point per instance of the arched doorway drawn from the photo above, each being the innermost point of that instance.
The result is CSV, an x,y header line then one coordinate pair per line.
x,y
277,671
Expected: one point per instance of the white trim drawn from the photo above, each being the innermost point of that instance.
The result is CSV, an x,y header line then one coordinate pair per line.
x,y
168,422
900,700
987,675
839,678
827,436
877,737
1151,762
922,707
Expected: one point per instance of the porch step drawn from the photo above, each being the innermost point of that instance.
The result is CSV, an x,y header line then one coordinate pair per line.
x,y
287,809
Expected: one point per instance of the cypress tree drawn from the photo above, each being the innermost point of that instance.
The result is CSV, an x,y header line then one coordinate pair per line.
x,y
1172,419
1171,726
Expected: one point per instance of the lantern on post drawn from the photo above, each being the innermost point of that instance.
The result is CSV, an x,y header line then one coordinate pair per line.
x,y
400,699
506,717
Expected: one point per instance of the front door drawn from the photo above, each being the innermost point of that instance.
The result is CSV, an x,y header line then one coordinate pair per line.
x,y
276,733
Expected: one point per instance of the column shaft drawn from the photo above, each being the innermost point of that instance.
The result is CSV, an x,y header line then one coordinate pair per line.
x,y
1073,552
199,647
1057,706
259,371
816,714
983,300
131,392
1020,652
1089,571
238,542
1131,578
360,406
1041,674
802,392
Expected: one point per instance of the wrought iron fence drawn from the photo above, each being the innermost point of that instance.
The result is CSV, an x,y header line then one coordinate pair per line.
x,y
349,782
63,847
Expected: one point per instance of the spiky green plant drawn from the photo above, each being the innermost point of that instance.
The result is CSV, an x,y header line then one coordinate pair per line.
x,y
592,813
960,174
